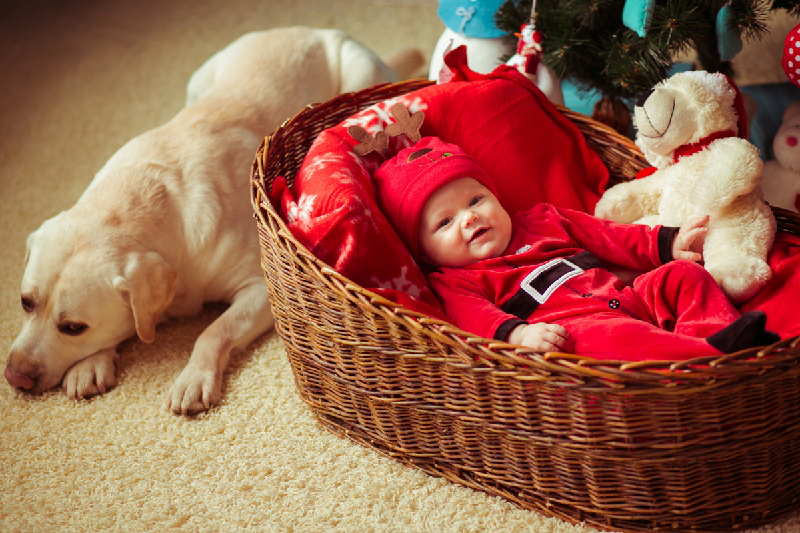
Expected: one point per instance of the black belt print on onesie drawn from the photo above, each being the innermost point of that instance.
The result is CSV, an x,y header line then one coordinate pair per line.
x,y
537,286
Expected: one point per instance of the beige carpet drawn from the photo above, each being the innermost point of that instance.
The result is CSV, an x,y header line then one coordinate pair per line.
x,y
76,82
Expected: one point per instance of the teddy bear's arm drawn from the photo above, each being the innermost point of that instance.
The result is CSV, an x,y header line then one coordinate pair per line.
x,y
629,201
731,168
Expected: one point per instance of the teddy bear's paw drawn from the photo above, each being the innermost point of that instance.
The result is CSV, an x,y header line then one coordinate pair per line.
x,y
650,220
617,207
740,277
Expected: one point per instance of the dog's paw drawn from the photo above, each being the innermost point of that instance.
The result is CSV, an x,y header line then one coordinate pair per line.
x,y
91,376
193,392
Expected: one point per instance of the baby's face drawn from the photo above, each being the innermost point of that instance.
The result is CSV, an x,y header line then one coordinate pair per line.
x,y
463,223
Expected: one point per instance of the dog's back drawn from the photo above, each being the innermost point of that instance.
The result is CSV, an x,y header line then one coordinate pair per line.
x,y
332,63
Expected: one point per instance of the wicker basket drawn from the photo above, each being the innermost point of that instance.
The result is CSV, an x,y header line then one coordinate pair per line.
x,y
704,445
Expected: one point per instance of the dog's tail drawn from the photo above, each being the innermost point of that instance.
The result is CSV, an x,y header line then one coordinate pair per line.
x,y
406,63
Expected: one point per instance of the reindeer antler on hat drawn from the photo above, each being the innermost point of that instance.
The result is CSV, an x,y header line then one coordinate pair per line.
x,y
405,123
369,144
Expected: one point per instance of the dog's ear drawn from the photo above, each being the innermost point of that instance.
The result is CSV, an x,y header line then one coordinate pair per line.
x,y
148,285
28,245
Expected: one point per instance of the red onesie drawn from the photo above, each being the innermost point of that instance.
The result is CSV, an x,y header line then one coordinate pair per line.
x,y
554,271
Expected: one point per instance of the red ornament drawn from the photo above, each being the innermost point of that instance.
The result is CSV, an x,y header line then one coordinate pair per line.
x,y
791,55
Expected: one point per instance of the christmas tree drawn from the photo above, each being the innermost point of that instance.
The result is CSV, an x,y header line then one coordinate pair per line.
x,y
621,48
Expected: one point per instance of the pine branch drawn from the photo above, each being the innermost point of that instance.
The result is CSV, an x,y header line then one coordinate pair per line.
x,y
791,6
586,41
751,18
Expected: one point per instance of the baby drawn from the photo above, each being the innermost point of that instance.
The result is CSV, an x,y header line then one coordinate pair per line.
x,y
540,279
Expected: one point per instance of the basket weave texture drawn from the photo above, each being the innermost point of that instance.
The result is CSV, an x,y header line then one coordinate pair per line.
x,y
703,445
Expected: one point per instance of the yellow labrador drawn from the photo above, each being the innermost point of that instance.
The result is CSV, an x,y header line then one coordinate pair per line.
x,y
167,224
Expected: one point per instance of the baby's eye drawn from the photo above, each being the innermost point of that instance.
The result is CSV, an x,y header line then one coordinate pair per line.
x,y
475,200
443,223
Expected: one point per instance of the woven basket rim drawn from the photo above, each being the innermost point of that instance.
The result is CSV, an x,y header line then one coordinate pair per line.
x,y
614,374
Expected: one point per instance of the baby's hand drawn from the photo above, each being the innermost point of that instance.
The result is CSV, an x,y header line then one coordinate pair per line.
x,y
542,337
689,232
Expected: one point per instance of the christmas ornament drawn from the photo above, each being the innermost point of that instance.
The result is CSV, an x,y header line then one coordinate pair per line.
x,y
638,14
529,51
729,42
528,60
791,55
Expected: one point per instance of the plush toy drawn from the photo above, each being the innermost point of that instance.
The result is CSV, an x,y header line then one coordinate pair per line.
x,y
781,183
692,128
471,23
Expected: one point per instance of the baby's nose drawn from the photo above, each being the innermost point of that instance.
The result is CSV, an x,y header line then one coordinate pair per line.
x,y
469,218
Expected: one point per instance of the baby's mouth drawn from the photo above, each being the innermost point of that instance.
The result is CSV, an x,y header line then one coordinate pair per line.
x,y
478,234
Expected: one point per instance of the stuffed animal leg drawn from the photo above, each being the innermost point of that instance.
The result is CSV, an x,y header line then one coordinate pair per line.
x,y
735,261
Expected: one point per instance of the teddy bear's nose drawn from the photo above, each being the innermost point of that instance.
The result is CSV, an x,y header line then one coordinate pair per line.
x,y
643,98
791,141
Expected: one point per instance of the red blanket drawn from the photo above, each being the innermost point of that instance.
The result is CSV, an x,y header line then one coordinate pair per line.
x,y
780,297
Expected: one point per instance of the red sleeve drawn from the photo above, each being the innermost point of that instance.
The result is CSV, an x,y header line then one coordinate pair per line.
x,y
629,245
468,307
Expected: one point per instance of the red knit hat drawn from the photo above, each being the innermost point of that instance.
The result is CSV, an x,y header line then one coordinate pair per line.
x,y
405,182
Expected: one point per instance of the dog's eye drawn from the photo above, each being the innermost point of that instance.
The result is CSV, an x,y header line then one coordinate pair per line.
x,y
72,328
27,304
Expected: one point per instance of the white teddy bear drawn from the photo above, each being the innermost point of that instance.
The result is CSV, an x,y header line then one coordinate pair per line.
x,y
692,128
781,183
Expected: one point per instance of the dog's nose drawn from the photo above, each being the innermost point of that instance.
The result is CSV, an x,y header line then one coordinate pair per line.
x,y
18,380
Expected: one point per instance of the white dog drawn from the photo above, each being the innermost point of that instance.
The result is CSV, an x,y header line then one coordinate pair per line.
x,y
167,223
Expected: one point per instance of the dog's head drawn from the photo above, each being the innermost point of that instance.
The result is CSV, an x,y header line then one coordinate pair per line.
x,y
82,291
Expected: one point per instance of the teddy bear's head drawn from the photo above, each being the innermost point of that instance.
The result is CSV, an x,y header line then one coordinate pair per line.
x,y
786,145
686,109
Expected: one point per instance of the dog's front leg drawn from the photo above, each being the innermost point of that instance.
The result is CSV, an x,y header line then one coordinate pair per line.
x,y
91,376
199,385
